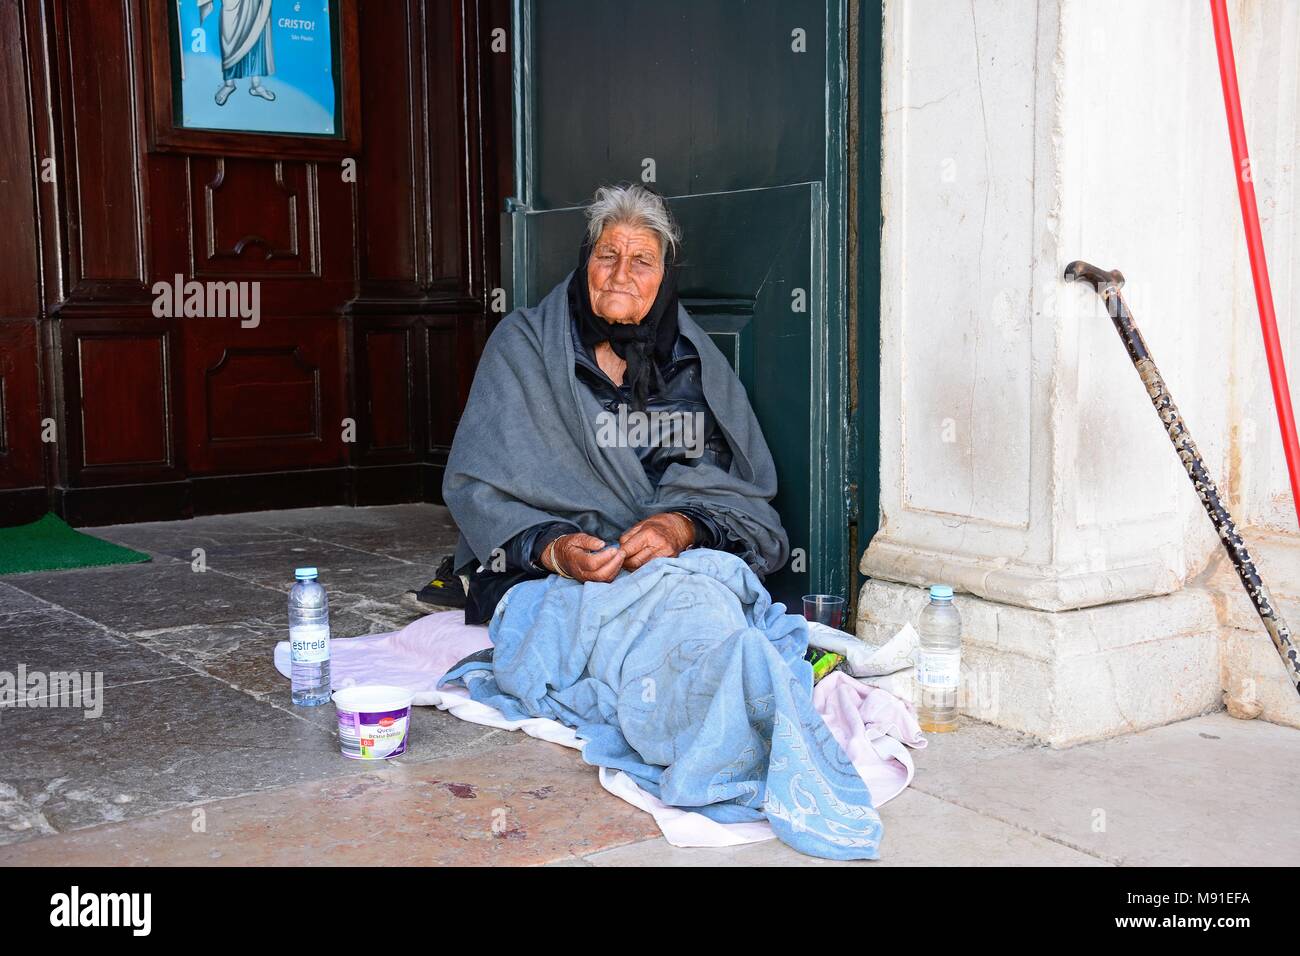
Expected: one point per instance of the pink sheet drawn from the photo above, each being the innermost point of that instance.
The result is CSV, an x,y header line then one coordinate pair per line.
x,y
874,727
871,725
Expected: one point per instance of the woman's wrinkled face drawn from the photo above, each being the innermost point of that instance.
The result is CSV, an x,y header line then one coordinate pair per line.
x,y
624,273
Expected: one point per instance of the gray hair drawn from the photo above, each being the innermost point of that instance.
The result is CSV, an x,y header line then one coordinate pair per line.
x,y
633,205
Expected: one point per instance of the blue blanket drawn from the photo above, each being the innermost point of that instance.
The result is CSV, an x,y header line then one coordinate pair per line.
x,y
686,676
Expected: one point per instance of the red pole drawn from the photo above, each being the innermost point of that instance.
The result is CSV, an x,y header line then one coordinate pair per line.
x,y
1255,246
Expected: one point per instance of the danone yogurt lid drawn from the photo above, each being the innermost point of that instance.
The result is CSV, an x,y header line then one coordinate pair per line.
x,y
372,698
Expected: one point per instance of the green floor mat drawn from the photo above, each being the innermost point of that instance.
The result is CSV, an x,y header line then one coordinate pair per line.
x,y
50,544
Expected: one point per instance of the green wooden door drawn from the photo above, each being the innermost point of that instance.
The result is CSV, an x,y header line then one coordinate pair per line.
x,y
735,112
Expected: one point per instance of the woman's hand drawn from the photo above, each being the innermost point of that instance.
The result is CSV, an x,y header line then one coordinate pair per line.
x,y
659,536
579,556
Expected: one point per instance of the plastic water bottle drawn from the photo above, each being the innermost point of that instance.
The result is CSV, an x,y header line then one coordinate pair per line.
x,y
309,639
938,672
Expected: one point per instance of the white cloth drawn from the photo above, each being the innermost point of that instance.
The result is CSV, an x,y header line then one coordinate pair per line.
x,y
870,724
868,660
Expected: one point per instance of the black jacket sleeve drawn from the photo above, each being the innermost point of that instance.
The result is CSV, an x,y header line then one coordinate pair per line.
x,y
520,556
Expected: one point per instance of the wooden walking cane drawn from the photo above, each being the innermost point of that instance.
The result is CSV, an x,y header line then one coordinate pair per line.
x,y
1107,285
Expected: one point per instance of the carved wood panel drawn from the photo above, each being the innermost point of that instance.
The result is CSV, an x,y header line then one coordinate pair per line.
x,y
390,377
98,65
253,218
20,406
263,399
123,387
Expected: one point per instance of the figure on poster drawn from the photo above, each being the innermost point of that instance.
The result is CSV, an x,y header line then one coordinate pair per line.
x,y
246,49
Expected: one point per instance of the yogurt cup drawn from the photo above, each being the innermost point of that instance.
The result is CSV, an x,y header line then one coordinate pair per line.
x,y
374,720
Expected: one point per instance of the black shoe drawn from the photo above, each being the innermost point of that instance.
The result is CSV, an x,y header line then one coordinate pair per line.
x,y
445,590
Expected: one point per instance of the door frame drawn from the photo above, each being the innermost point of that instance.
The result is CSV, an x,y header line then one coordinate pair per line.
x,y
865,151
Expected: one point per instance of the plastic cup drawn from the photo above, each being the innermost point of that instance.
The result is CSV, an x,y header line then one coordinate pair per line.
x,y
824,609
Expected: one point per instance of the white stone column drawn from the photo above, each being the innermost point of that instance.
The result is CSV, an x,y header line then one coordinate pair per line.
x,y
1021,459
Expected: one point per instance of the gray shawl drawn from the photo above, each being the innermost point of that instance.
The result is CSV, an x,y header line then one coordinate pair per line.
x,y
525,450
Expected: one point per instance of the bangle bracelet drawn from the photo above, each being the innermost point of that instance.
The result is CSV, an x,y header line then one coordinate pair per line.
x,y
548,557
689,524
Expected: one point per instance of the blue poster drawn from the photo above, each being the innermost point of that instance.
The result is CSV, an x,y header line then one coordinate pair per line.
x,y
256,66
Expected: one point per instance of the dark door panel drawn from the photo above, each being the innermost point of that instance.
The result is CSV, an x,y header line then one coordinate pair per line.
x,y
736,124
712,90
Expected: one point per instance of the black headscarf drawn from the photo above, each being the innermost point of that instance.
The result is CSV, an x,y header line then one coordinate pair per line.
x,y
644,346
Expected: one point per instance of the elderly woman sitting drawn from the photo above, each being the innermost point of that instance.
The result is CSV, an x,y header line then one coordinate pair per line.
x,y
604,429
683,675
